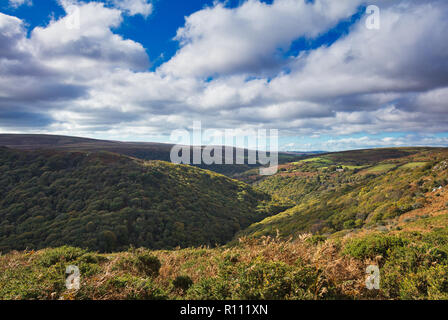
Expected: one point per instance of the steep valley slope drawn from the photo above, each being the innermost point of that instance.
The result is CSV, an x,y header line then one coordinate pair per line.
x,y
352,190
105,201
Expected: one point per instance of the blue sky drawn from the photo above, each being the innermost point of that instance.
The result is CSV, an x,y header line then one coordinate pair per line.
x,y
156,32
139,69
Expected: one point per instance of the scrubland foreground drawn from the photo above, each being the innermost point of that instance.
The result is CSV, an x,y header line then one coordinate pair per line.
x,y
413,265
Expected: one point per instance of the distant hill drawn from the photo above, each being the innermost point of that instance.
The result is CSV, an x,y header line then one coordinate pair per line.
x,y
105,201
140,150
36,141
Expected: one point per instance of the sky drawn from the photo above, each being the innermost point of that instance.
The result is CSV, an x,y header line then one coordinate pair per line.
x,y
135,70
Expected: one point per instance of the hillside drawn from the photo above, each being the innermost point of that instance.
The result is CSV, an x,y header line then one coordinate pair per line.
x,y
140,150
104,201
350,190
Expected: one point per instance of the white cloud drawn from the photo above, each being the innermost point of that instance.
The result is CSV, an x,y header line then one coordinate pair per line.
x,y
247,39
134,7
434,101
404,55
90,49
18,3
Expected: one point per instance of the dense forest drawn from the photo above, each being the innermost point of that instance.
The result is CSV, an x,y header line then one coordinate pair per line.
x,y
104,201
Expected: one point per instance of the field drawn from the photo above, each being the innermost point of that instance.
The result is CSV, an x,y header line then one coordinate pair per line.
x,y
380,168
413,165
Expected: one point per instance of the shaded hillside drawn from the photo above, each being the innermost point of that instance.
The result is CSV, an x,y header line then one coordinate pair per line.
x,y
105,202
141,150
332,195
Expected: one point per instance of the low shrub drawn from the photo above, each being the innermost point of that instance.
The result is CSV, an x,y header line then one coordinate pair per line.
x,y
142,261
372,246
62,254
210,289
182,282
148,264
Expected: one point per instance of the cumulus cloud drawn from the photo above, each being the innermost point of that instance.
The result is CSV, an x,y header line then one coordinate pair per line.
x,y
404,55
92,47
57,66
25,80
134,7
247,39
231,71
18,3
